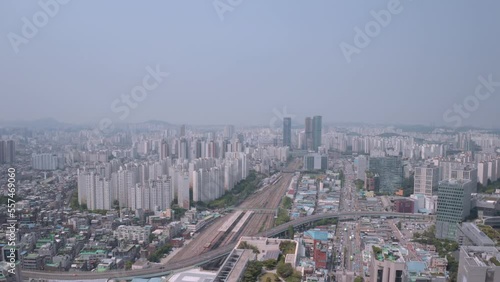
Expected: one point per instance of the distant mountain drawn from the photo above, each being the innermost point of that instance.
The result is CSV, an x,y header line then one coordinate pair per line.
x,y
43,123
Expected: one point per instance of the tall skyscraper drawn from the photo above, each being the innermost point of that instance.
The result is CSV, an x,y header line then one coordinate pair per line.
x,y
287,131
316,134
183,130
308,131
453,206
228,131
426,180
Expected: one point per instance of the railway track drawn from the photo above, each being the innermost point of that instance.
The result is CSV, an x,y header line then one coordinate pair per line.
x,y
220,234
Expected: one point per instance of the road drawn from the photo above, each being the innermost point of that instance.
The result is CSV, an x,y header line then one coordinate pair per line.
x,y
348,244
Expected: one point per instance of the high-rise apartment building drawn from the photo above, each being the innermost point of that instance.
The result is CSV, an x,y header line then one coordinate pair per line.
x,y
7,151
482,173
492,170
183,191
426,180
164,150
456,170
228,131
182,130
453,206
317,131
287,132
45,162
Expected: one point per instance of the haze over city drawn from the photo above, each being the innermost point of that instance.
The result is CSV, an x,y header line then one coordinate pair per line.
x,y
256,57
249,141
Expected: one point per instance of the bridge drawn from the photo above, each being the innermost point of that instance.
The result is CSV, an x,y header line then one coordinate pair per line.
x,y
208,256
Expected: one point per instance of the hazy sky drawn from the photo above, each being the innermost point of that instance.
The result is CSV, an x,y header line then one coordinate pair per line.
x,y
262,55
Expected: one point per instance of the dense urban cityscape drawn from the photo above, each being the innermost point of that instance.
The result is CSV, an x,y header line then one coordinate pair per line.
x,y
307,202
249,141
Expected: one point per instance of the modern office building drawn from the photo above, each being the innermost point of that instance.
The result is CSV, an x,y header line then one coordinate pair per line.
x,y
453,206
309,133
478,264
426,180
316,132
287,132
390,171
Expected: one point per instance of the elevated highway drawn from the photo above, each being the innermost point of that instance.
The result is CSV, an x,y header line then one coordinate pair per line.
x,y
206,257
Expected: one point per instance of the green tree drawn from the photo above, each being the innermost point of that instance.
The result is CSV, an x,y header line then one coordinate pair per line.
x,y
270,264
359,184
246,246
287,203
128,265
291,232
159,253
358,279
254,269
116,205
398,225
284,270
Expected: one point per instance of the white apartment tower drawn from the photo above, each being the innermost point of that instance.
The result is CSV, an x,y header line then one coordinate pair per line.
x,y
426,180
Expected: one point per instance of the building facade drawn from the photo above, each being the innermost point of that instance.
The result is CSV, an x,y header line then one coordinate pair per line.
x,y
426,180
453,206
287,132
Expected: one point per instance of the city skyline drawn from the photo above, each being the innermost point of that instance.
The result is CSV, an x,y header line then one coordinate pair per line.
x,y
233,140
